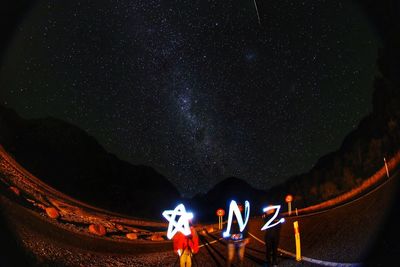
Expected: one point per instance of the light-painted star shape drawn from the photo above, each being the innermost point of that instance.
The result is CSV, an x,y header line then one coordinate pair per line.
x,y
182,225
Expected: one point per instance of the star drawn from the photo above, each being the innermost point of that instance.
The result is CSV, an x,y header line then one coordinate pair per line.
x,y
177,88
182,224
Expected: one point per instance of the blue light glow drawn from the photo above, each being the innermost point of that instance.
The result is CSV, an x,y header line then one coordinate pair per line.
x,y
268,224
233,208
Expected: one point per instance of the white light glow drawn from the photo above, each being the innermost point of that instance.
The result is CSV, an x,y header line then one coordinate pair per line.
x,y
182,225
268,224
233,208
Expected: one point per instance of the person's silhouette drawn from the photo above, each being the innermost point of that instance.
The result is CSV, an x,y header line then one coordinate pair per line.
x,y
272,236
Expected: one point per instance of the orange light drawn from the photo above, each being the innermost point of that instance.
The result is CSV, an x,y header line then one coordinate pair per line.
x,y
289,198
220,212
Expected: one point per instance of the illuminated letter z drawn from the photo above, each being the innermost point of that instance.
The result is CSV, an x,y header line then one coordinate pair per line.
x,y
268,224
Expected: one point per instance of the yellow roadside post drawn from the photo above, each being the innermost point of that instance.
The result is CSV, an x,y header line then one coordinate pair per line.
x,y
297,238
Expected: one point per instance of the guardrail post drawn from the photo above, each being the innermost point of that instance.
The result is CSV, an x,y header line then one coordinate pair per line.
x,y
297,238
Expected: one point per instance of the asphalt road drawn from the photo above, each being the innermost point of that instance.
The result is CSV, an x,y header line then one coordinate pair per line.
x,y
345,234
361,231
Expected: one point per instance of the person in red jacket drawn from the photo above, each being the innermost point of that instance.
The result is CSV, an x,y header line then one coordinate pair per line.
x,y
186,246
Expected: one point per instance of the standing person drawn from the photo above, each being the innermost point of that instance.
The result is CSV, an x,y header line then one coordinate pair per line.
x,y
272,236
186,246
237,242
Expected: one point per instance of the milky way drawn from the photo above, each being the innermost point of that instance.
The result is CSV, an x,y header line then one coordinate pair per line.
x,y
199,90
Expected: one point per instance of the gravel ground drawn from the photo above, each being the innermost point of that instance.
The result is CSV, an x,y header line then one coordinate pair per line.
x,y
49,254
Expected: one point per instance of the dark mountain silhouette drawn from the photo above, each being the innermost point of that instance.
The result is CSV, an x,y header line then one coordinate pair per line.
x,y
378,134
67,158
361,154
221,194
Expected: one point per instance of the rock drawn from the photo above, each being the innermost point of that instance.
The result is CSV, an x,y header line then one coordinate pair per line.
x,y
119,227
131,236
97,229
209,229
156,237
52,213
15,190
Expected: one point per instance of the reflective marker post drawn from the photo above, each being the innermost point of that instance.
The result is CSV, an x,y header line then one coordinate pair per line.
x,y
297,238
220,214
386,166
289,199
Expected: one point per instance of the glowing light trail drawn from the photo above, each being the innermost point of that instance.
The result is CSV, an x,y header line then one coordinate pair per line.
x,y
268,224
233,208
182,225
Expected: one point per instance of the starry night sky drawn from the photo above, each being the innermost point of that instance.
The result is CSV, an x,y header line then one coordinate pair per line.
x,y
199,90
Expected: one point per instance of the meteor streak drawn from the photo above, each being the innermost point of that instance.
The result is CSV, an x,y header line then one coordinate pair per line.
x,y
258,15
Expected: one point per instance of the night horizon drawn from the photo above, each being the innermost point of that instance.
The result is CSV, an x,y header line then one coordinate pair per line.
x,y
199,92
